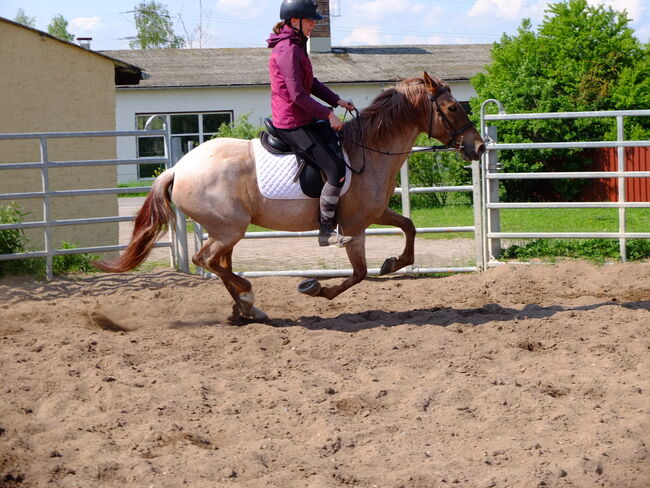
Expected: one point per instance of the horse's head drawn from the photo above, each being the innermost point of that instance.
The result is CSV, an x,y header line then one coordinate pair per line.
x,y
448,122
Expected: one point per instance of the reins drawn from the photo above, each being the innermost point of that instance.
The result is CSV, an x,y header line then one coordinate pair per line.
x,y
450,146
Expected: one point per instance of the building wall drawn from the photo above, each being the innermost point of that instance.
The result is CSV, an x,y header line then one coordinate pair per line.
x,y
241,100
50,86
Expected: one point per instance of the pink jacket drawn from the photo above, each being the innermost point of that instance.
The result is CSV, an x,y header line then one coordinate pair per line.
x,y
293,83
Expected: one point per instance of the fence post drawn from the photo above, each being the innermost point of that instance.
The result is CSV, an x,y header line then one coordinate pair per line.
x,y
405,186
622,196
47,210
493,220
478,215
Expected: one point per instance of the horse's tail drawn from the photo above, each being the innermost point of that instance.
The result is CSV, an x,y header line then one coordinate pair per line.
x,y
151,223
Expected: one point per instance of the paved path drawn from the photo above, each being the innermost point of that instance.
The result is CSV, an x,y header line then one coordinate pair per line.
x,y
304,252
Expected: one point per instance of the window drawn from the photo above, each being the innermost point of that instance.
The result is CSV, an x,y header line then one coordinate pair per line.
x,y
188,130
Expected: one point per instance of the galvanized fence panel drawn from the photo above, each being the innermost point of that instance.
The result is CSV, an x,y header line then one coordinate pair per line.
x,y
491,176
47,194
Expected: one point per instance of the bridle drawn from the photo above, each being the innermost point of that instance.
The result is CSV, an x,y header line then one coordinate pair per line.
x,y
452,145
453,134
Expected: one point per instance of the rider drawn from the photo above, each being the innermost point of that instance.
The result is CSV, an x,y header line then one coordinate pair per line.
x,y
304,124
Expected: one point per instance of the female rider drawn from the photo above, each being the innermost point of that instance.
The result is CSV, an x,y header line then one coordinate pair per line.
x,y
298,117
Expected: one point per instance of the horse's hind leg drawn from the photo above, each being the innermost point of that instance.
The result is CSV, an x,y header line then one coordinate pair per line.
x,y
217,258
390,217
356,251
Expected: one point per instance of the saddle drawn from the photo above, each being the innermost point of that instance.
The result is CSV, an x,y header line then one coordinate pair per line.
x,y
310,176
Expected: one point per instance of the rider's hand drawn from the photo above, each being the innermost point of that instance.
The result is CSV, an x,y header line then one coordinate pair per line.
x,y
346,104
335,122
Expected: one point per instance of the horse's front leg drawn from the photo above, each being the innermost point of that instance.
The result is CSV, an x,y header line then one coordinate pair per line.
x,y
390,217
356,250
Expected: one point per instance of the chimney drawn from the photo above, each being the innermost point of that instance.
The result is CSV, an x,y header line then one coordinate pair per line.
x,y
320,40
84,42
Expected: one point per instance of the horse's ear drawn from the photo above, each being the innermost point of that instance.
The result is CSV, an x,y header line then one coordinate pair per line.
x,y
429,82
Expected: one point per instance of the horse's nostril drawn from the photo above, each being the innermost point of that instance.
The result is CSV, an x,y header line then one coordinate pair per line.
x,y
481,149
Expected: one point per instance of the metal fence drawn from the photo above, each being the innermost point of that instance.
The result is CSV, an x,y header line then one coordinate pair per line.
x,y
486,176
47,193
491,176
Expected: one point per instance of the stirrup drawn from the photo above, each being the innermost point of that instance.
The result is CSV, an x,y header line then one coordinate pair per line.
x,y
331,236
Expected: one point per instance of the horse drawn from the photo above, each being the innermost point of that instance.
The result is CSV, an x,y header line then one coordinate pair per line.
x,y
216,185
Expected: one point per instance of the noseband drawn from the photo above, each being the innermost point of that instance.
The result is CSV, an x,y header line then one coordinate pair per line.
x,y
453,133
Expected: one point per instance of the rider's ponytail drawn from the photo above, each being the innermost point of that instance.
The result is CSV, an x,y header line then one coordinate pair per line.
x,y
277,28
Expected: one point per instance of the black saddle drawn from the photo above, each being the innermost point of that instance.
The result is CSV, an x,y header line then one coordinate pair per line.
x,y
311,178
272,140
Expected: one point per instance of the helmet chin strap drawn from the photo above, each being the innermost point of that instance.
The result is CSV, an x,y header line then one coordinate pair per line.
x,y
299,31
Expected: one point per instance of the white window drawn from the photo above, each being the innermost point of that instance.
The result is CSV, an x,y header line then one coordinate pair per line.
x,y
188,130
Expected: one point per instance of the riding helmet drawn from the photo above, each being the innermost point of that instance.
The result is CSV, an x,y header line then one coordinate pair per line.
x,y
299,9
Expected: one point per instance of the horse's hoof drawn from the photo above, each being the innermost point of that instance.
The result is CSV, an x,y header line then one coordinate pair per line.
x,y
388,266
309,287
256,314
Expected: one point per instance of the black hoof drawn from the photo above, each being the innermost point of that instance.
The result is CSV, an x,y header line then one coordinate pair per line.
x,y
388,266
309,287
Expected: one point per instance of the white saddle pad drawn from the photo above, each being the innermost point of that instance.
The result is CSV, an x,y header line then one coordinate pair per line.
x,y
276,174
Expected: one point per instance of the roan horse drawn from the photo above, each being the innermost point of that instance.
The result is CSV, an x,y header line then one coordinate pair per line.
x,y
216,185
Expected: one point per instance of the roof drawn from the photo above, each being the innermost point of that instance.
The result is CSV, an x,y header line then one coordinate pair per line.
x,y
248,66
125,73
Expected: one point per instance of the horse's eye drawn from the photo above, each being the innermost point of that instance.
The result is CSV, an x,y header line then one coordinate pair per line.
x,y
453,108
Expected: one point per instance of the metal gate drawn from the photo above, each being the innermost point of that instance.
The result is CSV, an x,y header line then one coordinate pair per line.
x,y
47,194
491,176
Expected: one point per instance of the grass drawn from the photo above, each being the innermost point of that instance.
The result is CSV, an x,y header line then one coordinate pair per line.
x,y
549,220
134,184
535,220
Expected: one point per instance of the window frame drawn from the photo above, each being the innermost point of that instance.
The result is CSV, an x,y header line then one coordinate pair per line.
x,y
202,136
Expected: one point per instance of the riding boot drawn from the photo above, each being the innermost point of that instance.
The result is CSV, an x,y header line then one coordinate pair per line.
x,y
327,235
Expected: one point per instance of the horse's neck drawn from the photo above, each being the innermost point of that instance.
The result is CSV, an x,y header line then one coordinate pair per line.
x,y
389,164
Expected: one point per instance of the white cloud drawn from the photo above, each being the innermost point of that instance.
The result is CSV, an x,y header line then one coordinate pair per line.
x,y
634,8
364,36
248,7
85,23
379,9
505,9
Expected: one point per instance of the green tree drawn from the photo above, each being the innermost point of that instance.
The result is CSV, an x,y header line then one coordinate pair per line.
x,y
155,27
581,58
239,129
23,18
58,27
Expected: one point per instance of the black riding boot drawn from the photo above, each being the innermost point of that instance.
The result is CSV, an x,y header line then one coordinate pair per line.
x,y
327,235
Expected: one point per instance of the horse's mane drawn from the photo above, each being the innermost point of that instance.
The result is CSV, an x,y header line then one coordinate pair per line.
x,y
391,113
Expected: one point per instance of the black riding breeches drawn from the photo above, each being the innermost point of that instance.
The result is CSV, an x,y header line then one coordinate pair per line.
x,y
318,144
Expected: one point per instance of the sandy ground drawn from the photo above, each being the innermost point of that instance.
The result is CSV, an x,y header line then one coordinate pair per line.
x,y
535,376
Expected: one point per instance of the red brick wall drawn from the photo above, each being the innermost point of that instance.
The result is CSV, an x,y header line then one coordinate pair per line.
x,y
322,29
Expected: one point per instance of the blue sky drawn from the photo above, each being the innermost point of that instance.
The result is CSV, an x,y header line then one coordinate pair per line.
x,y
247,23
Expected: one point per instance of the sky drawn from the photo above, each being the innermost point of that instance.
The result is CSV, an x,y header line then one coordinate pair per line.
x,y
247,23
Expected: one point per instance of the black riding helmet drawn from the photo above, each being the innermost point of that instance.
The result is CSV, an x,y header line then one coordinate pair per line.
x,y
299,9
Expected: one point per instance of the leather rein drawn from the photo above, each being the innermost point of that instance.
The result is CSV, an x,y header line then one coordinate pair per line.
x,y
450,146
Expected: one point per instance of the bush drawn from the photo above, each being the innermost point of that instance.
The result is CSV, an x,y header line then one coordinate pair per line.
x,y
428,169
582,57
241,128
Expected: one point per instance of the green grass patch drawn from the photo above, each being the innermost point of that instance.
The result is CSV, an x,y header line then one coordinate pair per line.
x,y
596,250
134,184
